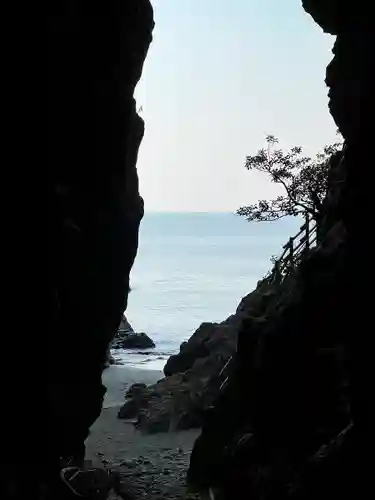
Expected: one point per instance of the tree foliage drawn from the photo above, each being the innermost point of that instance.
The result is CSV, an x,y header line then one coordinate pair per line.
x,y
304,180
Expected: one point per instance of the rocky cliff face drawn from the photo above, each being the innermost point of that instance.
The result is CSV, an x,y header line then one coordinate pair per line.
x,y
293,421
96,52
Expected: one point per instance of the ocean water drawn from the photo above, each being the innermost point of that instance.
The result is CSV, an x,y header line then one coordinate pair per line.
x,y
191,268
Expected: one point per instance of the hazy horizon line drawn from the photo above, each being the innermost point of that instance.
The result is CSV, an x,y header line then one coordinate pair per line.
x,y
190,212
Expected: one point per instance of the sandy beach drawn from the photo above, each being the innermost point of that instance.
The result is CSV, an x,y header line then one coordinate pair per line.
x,y
151,466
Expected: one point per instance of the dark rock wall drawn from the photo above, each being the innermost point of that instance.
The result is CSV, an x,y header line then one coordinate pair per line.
x,y
350,85
96,52
298,404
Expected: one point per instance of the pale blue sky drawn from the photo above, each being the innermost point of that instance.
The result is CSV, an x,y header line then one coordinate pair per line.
x,y
221,75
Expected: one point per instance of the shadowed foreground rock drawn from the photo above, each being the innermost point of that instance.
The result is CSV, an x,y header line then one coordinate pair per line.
x,y
96,52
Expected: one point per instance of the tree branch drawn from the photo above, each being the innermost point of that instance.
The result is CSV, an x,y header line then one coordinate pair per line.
x,y
291,197
303,179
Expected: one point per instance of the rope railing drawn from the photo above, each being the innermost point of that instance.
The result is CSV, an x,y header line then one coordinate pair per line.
x,y
295,249
293,252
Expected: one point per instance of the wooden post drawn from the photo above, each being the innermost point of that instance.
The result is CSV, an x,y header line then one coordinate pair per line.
x,y
291,253
277,271
307,229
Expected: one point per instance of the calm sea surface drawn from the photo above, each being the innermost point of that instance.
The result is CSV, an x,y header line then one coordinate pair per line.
x,y
194,267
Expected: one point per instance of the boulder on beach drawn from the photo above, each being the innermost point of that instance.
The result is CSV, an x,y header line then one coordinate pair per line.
x,y
135,398
127,338
170,404
133,341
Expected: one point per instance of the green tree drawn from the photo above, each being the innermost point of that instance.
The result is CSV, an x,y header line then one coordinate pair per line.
x,y
304,180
